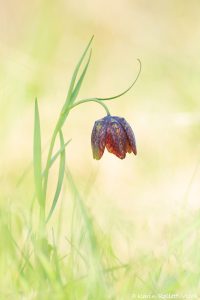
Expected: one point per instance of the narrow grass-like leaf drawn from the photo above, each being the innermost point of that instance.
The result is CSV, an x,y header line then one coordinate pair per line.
x,y
56,260
60,176
28,169
24,256
56,155
79,83
72,83
24,249
37,156
77,250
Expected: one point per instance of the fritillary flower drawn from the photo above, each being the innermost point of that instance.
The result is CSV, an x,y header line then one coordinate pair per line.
x,y
114,134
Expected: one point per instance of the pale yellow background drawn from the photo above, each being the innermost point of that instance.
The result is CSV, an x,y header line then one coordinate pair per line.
x,y
40,44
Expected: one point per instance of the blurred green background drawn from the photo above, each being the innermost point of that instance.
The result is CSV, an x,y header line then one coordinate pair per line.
x,y
139,201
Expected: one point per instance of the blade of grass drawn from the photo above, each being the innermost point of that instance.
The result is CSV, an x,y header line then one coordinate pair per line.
x,y
60,176
56,260
37,156
24,256
71,87
79,83
56,155
28,168
77,250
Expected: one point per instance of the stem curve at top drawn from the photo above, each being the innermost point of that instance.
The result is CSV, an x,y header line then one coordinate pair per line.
x,y
128,89
122,93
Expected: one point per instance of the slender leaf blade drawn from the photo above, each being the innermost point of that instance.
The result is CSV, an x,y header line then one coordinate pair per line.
x,y
79,83
74,76
56,155
60,176
37,155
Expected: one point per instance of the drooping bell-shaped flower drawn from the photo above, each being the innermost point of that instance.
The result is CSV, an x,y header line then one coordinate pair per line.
x,y
115,134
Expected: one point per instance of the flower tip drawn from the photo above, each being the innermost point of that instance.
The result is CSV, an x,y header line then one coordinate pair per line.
x,y
96,157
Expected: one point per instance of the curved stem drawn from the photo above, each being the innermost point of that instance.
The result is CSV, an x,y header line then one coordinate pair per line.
x,y
121,94
92,100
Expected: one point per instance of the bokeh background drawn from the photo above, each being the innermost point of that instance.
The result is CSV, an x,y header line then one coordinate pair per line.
x,y
138,200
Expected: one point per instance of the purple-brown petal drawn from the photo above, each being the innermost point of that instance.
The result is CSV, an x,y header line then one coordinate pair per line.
x,y
128,147
116,138
98,138
131,144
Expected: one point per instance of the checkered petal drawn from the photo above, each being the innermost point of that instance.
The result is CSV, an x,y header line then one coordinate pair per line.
x,y
98,138
116,138
131,144
115,134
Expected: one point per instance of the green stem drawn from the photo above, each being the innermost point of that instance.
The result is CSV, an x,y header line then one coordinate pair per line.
x,y
59,125
122,93
53,139
92,100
